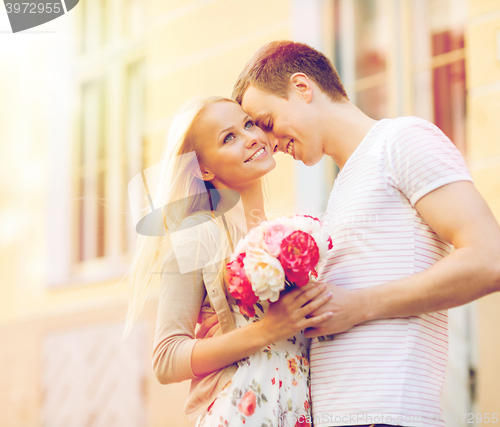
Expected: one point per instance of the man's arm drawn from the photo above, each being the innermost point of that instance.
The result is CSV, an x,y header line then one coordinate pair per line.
x,y
460,216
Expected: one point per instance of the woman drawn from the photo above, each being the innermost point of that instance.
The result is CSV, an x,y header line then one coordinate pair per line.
x,y
255,372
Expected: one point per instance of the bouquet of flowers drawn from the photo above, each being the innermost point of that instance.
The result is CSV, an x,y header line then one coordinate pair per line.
x,y
274,255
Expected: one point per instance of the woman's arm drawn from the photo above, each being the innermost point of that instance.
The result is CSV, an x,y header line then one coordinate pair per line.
x,y
179,356
181,296
283,319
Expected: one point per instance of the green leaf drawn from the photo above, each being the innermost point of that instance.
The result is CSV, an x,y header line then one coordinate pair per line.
x,y
235,392
269,355
233,401
264,398
289,404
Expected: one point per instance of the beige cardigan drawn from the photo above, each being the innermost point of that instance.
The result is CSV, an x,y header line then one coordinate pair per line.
x,y
182,298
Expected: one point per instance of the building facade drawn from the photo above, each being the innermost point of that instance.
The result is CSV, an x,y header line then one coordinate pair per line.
x,y
87,106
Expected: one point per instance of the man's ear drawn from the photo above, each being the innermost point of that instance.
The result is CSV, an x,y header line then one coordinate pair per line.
x,y
302,84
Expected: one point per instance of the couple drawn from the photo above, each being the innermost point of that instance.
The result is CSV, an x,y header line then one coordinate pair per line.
x,y
402,197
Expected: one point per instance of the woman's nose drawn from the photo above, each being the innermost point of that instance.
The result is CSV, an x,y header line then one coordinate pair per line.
x,y
251,139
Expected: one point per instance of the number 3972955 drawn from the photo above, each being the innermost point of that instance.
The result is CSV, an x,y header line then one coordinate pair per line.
x,y
33,7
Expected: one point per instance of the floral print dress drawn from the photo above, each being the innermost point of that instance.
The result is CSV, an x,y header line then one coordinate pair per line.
x,y
269,389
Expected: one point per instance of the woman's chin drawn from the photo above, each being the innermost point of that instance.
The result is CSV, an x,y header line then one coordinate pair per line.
x,y
271,164
238,181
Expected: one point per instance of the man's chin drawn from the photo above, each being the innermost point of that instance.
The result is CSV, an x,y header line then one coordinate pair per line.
x,y
310,162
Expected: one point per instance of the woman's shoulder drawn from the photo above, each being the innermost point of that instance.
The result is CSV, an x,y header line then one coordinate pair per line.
x,y
199,241
198,228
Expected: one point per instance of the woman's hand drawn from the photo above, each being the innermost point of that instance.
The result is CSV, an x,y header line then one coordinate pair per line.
x,y
289,314
284,318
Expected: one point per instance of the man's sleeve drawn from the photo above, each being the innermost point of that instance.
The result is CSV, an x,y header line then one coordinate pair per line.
x,y
420,158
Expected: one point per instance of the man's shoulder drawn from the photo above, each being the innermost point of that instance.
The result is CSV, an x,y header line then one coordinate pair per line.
x,y
393,131
408,123
409,130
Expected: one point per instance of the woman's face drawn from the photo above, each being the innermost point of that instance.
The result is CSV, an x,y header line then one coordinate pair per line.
x,y
234,151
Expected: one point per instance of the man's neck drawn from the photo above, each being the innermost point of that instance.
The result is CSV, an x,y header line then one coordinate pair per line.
x,y
346,126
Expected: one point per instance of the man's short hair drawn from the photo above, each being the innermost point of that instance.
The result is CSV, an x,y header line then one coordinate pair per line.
x,y
272,65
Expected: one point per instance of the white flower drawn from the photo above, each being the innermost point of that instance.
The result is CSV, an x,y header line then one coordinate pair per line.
x,y
265,273
253,239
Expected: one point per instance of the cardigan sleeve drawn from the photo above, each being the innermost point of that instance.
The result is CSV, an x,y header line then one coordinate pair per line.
x,y
181,298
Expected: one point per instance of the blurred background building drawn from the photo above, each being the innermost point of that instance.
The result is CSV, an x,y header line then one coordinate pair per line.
x,y
85,105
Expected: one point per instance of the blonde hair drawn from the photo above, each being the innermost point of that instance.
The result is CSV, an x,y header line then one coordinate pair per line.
x,y
178,180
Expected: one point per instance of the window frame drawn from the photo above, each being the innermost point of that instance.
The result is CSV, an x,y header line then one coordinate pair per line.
x,y
110,62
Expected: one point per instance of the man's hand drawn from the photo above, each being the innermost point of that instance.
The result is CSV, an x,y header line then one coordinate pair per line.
x,y
346,308
459,215
208,327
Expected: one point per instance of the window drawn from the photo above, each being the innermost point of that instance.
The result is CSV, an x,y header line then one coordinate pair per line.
x,y
91,172
362,34
109,139
133,145
439,65
404,58
94,24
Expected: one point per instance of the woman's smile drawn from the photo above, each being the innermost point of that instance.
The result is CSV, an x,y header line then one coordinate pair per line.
x,y
259,154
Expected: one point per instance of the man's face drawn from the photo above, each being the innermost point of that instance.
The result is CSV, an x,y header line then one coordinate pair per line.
x,y
290,124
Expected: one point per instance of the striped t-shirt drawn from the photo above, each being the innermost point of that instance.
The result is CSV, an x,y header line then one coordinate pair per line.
x,y
388,371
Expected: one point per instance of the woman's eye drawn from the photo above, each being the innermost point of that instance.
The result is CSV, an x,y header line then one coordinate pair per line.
x,y
249,124
229,137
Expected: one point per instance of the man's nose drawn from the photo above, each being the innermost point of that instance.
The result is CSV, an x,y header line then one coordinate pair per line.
x,y
273,142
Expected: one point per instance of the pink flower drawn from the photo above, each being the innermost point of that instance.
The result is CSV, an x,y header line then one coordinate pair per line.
x,y
302,422
312,217
299,255
240,287
273,236
248,403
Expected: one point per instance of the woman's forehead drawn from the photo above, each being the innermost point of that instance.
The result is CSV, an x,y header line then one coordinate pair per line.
x,y
219,116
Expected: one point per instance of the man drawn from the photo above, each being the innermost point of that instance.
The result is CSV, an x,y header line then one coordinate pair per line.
x,y
402,196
